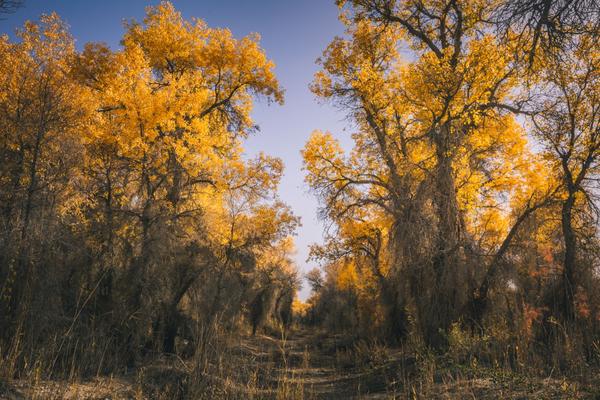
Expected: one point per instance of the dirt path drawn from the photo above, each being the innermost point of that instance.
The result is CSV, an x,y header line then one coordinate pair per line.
x,y
306,366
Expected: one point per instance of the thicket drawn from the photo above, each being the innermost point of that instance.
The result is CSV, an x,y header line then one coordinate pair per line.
x,y
467,206
131,223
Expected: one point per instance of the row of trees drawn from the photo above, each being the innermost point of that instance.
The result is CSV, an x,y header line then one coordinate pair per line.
x,y
130,216
468,199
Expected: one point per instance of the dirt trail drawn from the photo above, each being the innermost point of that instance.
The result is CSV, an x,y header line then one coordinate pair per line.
x,y
312,367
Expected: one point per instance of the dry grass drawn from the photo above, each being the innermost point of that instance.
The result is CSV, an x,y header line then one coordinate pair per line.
x,y
311,366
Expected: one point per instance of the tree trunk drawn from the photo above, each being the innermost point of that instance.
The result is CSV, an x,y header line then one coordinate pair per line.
x,y
448,271
23,283
569,265
396,319
170,324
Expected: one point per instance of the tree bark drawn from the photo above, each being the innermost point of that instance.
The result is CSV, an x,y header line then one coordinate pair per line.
x,y
569,264
448,271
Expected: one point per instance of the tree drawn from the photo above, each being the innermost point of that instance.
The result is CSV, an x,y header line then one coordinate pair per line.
x,y
567,123
430,130
172,106
315,279
41,114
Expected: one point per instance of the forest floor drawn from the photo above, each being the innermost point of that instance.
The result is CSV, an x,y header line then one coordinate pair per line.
x,y
310,366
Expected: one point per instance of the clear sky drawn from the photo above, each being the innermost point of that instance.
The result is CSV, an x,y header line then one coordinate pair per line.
x,y
294,34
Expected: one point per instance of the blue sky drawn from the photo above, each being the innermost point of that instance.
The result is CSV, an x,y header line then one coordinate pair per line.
x,y
294,34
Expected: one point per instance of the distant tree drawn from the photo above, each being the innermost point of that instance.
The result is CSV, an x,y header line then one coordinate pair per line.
x,y
315,279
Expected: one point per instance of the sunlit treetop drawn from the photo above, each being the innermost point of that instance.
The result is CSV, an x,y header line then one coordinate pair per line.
x,y
177,88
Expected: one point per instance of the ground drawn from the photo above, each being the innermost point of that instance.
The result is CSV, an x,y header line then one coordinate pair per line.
x,y
303,365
